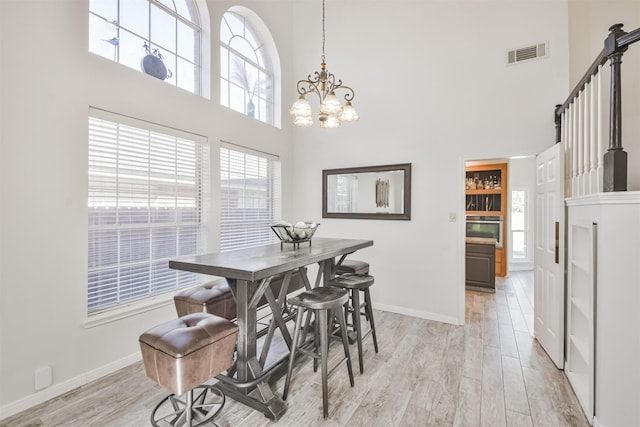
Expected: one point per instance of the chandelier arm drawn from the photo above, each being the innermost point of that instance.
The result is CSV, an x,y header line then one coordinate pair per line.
x,y
349,95
305,87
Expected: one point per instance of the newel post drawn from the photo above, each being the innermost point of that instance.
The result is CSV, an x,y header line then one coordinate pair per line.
x,y
558,120
615,159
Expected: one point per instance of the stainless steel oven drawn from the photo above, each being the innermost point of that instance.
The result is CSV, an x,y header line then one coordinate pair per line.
x,y
482,228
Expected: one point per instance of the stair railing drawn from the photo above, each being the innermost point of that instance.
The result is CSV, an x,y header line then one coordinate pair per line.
x,y
580,123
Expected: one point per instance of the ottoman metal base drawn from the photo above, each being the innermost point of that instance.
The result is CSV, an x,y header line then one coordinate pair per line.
x,y
198,407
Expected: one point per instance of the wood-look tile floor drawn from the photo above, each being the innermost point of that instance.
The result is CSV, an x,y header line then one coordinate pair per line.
x,y
490,372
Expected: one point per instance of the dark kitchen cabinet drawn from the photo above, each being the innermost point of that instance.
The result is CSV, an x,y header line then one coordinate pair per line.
x,y
480,267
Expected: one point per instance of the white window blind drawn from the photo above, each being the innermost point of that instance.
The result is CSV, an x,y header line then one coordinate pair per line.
x,y
148,191
250,197
347,193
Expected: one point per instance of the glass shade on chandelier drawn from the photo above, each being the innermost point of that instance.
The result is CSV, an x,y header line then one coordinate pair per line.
x,y
301,110
332,113
348,113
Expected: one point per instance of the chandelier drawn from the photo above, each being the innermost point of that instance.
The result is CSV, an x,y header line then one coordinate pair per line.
x,y
332,113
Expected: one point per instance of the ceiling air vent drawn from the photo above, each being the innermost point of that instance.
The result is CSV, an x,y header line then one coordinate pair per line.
x,y
528,53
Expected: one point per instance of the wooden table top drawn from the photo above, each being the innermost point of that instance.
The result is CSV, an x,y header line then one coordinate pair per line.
x,y
257,263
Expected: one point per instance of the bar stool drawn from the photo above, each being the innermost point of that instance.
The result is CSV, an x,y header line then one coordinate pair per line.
x,y
354,284
353,266
181,355
214,297
320,301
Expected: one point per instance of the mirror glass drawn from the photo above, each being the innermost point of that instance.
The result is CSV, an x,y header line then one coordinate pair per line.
x,y
374,192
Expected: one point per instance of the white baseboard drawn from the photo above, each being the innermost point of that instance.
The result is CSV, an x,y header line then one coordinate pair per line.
x,y
417,313
65,386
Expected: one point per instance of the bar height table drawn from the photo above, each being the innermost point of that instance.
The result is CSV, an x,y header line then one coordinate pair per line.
x,y
249,273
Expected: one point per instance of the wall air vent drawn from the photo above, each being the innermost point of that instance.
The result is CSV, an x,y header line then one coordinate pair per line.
x,y
528,53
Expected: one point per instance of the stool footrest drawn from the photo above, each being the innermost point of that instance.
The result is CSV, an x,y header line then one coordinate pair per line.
x,y
199,405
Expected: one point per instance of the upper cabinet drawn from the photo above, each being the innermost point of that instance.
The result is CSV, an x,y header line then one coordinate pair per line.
x,y
486,192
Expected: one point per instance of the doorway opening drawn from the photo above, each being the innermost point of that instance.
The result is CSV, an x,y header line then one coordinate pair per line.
x,y
517,212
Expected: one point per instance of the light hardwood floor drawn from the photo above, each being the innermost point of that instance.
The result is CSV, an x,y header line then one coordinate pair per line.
x,y
490,372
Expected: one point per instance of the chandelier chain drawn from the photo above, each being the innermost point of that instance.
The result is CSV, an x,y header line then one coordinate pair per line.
x,y
324,84
323,36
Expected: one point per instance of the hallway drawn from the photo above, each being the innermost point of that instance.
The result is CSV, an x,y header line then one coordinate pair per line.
x,y
508,379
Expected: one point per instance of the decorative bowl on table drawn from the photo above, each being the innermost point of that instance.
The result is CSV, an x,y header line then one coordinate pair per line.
x,y
302,231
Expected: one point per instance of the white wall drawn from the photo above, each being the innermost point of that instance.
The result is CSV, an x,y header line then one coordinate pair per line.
x,y
48,81
432,88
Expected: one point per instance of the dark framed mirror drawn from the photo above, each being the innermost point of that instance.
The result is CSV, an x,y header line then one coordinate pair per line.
x,y
368,192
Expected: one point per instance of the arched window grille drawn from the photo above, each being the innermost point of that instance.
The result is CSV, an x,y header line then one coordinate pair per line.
x,y
246,68
126,31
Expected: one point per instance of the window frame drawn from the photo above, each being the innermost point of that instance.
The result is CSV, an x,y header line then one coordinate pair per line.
x,y
199,192
266,106
524,230
195,24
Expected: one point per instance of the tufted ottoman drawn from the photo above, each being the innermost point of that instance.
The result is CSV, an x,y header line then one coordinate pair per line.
x,y
214,297
181,354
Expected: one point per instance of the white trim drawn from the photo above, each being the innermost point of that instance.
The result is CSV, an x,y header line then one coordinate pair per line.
x,y
246,150
417,313
123,311
596,423
461,286
205,49
610,198
100,113
66,386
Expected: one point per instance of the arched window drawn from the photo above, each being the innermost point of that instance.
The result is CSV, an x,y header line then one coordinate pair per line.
x,y
247,62
128,31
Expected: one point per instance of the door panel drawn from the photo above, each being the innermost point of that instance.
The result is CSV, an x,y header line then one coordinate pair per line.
x,y
549,259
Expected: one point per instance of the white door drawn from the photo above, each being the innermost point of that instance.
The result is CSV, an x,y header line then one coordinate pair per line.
x,y
549,253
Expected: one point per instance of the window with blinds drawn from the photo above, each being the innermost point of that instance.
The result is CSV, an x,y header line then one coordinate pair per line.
x,y
148,192
250,197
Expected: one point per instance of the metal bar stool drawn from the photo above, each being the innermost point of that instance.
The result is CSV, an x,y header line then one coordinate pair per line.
x,y
354,284
352,266
320,301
